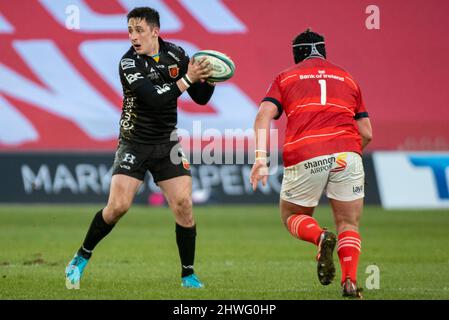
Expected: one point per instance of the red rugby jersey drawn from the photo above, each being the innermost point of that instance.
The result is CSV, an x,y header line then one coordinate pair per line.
x,y
321,102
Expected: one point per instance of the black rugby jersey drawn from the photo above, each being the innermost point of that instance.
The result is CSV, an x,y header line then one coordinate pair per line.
x,y
150,93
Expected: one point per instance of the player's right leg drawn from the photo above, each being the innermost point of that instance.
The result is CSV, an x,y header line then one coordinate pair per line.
x,y
300,223
122,191
302,187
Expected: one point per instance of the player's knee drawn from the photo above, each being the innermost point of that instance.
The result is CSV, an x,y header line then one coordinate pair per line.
x,y
182,207
182,204
121,207
117,210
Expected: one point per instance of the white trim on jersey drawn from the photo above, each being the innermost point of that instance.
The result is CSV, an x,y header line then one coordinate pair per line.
x,y
319,104
316,135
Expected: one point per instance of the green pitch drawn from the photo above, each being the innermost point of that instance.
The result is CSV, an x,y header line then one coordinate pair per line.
x,y
243,252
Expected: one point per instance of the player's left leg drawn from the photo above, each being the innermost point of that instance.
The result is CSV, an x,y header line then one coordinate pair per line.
x,y
345,191
178,192
295,217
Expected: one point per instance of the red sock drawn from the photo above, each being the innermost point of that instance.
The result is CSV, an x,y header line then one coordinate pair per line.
x,y
348,248
304,227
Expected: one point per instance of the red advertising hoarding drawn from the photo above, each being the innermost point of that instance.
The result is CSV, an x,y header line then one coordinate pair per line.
x,y
60,90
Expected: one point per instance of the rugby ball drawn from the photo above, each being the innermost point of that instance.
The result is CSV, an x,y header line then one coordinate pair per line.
x,y
223,67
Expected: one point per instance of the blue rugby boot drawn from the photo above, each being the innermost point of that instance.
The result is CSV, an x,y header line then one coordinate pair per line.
x,y
74,271
191,281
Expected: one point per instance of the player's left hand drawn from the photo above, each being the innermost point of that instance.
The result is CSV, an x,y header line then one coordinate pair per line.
x,y
259,172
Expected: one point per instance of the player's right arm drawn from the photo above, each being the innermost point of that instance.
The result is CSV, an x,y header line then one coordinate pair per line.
x,y
270,108
259,172
133,74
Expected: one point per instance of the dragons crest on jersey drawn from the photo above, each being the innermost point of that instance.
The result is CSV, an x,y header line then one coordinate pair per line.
x,y
173,70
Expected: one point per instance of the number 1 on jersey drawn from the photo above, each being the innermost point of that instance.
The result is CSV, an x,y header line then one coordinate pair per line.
x,y
323,91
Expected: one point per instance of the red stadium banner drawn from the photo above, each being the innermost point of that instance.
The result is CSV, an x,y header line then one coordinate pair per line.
x,y
60,90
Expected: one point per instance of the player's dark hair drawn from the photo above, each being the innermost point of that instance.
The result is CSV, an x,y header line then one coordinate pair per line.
x,y
150,15
308,44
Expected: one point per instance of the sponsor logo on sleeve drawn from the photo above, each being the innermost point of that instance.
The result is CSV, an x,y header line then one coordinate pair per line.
x,y
174,56
127,63
133,77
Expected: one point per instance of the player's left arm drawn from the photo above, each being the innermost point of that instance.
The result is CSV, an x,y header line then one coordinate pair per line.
x,y
201,92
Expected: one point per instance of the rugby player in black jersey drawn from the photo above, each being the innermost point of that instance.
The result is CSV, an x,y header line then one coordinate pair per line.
x,y
153,73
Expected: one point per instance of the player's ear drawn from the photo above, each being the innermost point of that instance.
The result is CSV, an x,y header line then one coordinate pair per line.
x,y
155,31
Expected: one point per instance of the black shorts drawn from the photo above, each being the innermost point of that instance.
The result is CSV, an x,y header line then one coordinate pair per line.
x,y
164,161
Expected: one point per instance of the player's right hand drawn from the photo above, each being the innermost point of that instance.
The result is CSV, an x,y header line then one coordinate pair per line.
x,y
259,172
199,69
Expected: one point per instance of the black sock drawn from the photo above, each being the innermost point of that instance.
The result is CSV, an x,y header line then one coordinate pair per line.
x,y
98,230
185,238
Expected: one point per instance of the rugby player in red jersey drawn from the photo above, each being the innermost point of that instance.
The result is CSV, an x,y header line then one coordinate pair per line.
x,y
327,129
